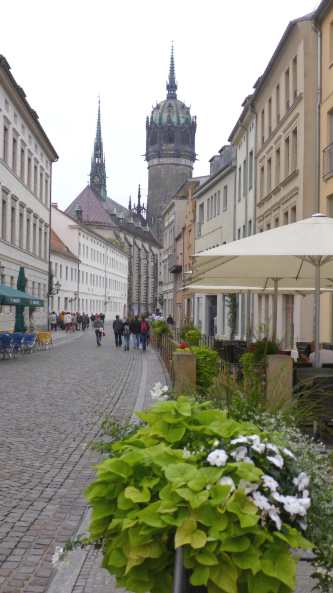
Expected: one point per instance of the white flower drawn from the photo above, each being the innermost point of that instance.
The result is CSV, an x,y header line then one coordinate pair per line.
x,y
273,448
216,443
239,454
303,525
288,453
261,501
296,506
158,392
302,481
247,460
270,483
186,452
165,389
227,481
240,440
277,460
259,448
218,457
278,497
247,486
254,438
57,555
275,517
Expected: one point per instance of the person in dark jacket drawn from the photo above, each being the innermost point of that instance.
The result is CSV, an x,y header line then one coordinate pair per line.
x,y
135,331
118,330
144,332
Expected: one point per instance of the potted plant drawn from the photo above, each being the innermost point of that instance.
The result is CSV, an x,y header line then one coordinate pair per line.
x,y
191,478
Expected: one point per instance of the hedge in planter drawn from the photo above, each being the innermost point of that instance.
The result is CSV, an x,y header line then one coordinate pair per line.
x,y
208,366
192,477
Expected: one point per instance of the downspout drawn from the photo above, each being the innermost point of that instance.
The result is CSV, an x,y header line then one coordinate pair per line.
x,y
317,122
254,172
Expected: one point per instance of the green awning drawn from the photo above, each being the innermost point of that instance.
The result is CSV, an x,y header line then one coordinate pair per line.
x,y
12,296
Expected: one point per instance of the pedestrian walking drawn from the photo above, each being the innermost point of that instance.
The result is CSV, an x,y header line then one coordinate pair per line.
x,y
118,330
98,327
53,321
68,322
144,332
126,334
135,331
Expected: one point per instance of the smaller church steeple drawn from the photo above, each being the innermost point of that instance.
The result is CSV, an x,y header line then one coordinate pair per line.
x,y
130,203
97,171
139,207
171,84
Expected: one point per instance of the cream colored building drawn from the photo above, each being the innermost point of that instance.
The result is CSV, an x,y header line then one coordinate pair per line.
x,y
324,19
215,202
285,104
26,157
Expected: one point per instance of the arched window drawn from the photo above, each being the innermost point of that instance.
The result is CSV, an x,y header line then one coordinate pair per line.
x,y
169,136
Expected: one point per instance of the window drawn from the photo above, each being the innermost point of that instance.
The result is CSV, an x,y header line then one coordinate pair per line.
x,y
46,245
208,209
277,166
4,220
269,175
238,234
262,179
286,156
27,244
14,154
215,204
250,227
20,237
35,179
276,222
13,225
225,198
22,164
41,186
295,78
244,178
294,150
268,226
29,173
218,208
285,217
46,192
251,169
278,107
239,183
60,271
293,214
269,116
262,126
244,230
5,144
40,244
287,88
34,237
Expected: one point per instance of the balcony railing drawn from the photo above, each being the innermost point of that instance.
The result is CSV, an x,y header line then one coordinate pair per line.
x,y
173,266
328,161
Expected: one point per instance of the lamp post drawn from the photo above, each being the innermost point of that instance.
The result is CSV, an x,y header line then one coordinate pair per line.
x,y
53,290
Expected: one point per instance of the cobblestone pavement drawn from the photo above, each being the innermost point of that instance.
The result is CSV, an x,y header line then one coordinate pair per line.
x,y
51,405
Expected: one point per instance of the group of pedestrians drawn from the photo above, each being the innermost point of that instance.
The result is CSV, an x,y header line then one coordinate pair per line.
x,y
136,327
71,322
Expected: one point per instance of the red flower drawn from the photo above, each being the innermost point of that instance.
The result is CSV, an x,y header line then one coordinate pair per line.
x,y
183,345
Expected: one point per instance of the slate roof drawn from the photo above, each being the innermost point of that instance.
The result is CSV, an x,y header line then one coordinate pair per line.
x,y
91,207
59,247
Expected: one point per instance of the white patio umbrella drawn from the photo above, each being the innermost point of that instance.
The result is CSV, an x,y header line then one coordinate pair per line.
x,y
298,256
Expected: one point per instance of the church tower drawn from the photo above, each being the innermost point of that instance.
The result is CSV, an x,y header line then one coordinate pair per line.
x,y
97,171
170,151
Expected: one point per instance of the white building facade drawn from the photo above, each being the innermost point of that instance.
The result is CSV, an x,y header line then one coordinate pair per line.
x,y
215,201
26,157
98,281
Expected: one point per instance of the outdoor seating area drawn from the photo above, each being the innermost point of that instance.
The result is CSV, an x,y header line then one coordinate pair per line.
x,y
16,343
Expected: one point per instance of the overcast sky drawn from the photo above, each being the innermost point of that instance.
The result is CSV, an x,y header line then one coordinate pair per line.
x,y
65,53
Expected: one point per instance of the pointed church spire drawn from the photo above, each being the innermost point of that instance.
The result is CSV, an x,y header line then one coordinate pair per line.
x,y
130,203
171,84
97,171
139,207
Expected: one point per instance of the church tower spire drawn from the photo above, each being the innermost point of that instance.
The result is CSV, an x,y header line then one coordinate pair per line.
x,y
171,84
97,171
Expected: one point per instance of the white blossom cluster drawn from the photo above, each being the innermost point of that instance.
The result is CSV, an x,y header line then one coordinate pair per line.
x,y
57,555
267,494
159,392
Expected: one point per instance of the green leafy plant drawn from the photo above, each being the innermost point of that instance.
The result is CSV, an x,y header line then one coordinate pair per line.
x,y
262,348
193,336
232,314
208,366
160,328
192,477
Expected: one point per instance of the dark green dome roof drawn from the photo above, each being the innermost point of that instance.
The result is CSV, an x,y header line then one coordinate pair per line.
x,y
171,111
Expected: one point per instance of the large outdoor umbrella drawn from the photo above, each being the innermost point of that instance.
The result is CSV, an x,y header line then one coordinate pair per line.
x,y
19,312
298,255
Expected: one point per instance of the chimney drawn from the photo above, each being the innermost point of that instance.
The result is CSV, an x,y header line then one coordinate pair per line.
x,y
78,213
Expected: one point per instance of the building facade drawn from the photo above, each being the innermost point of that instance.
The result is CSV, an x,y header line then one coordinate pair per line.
x,y
215,202
99,281
284,100
64,270
170,151
26,157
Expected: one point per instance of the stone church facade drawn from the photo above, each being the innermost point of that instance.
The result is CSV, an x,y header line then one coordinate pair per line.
x,y
127,228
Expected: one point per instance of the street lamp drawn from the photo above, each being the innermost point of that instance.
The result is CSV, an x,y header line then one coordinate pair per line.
x,y
55,289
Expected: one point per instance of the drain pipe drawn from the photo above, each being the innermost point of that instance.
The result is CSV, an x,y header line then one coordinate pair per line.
x,y
316,204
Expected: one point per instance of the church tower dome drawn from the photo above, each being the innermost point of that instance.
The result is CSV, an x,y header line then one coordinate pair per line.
x,y
170,150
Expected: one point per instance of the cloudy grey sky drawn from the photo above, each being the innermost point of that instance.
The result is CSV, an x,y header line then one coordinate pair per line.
x,y
66,53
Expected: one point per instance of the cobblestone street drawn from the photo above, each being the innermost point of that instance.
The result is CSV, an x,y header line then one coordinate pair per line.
x,y
51,408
